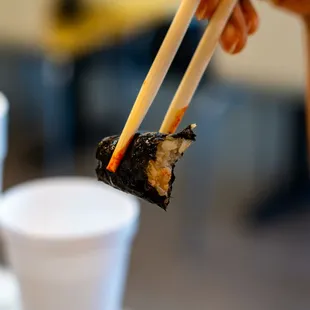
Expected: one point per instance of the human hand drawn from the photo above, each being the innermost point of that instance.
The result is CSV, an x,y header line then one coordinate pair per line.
x,y
244,20
301,7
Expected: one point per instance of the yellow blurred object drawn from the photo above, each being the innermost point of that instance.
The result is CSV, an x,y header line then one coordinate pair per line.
x,y
105,24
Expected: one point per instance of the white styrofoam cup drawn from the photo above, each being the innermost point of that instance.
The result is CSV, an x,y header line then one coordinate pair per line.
x,y
69,242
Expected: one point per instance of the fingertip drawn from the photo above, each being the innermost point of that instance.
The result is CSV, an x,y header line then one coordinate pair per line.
x,y
250,15
230,38
239,22
229,48
230,34
206,9
232,41
240,47
253,25
234,48
201,15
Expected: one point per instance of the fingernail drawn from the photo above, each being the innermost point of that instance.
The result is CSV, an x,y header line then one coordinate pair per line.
x,y
201,14
233,47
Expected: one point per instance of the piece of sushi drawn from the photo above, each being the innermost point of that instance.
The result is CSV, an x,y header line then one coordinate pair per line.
x,y
147,168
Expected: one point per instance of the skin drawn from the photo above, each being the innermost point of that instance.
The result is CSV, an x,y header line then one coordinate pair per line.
x,y
244,21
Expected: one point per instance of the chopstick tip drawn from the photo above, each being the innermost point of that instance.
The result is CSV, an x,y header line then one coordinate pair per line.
x,y
113,164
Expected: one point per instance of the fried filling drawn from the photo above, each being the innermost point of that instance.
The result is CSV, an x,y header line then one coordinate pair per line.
x,y
159,171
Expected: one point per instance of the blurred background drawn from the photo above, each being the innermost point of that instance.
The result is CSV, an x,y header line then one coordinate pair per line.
x,y
236,233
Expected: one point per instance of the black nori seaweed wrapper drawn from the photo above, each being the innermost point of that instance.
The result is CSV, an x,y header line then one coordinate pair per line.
x,y
131,176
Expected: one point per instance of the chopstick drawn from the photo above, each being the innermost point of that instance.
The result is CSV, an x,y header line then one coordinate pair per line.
x,y
154,78
197,66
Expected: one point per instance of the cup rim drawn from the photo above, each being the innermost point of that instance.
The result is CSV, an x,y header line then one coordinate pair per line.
x,y
130,224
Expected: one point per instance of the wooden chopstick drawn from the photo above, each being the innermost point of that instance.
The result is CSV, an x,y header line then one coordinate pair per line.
x,y
197,66
154,78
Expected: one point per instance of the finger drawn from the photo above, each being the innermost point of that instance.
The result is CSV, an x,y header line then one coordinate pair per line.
x,y
234,37
300,6
239,22
230,38
250,15
206,9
